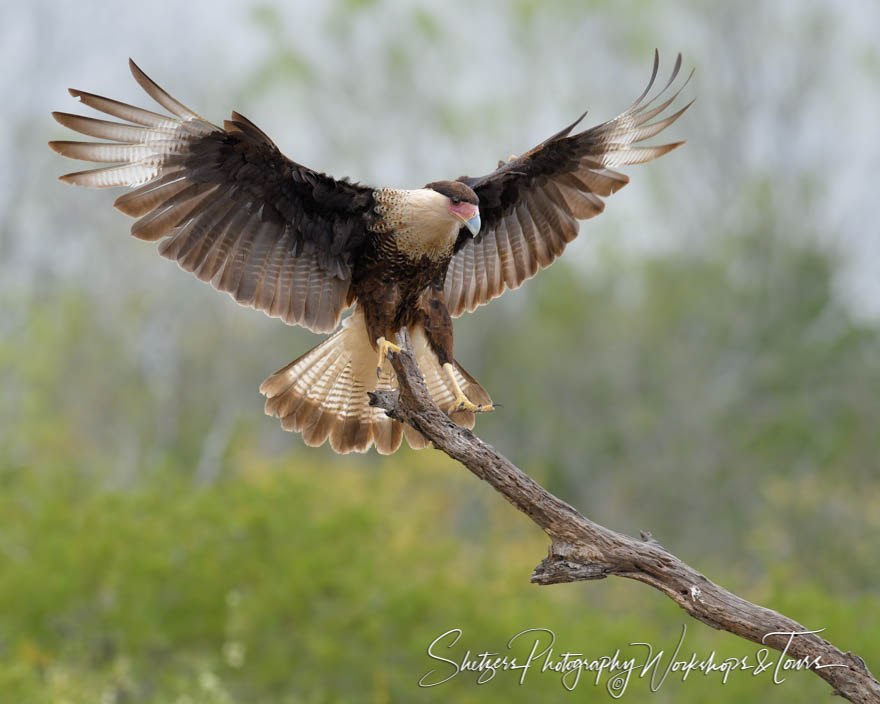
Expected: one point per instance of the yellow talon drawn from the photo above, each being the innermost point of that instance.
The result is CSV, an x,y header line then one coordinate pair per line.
x,y
384,348
462,402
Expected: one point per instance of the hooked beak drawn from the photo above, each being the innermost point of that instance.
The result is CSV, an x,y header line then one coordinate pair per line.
x,y
469,215
473,224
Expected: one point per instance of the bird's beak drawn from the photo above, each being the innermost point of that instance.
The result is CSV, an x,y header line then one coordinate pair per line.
x,y
473,224
469,215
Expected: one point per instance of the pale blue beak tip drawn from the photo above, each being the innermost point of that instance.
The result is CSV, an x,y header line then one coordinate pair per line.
x,y
474,224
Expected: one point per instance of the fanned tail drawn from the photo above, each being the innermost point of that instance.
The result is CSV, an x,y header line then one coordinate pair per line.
x,y
323,393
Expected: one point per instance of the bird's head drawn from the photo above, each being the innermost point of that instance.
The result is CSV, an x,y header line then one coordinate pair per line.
x,y
463,203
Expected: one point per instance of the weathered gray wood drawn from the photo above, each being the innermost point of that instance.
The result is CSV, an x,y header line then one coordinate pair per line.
x,y
581,550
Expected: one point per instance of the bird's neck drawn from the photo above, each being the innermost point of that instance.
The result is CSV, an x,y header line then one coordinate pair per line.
x,y
419,222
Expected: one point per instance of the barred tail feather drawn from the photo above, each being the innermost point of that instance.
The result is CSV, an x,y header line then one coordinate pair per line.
x,y
438,383
323,394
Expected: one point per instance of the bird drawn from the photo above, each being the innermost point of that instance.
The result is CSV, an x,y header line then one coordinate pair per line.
x,y
302,246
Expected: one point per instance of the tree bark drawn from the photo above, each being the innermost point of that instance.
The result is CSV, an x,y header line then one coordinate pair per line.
x,y
581,549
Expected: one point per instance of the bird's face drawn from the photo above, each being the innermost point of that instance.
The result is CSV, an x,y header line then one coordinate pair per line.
x,y
463,203
467,213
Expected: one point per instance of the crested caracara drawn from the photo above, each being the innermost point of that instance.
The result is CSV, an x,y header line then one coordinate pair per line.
x,y
299,245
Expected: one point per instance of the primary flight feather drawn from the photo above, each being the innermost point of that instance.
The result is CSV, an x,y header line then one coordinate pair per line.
x,y
228,206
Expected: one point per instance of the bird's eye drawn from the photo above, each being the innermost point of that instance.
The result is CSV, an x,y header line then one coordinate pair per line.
x,y
456,200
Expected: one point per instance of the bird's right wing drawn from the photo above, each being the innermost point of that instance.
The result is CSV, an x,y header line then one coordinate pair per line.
x,y
232,209
530,205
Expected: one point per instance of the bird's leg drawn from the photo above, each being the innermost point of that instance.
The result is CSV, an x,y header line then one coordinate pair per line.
x,y
384,348
462,403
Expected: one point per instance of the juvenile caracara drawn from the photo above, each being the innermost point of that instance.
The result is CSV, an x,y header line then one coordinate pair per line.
x,y
297,244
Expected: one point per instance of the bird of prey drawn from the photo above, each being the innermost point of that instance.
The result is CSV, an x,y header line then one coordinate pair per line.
x,y
227,205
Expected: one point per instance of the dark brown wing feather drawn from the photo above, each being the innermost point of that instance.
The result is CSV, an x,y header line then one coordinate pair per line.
x,y
232,208
530,205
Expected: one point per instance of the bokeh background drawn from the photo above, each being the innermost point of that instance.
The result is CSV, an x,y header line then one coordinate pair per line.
x,y
704,362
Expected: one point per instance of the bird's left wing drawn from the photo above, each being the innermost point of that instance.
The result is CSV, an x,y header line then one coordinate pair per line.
x,y
232,209
530,205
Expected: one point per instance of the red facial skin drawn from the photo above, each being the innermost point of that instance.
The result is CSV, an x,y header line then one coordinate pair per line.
x,y
464,211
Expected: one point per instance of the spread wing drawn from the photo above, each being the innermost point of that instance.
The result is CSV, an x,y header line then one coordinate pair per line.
x,y
530,205
227,204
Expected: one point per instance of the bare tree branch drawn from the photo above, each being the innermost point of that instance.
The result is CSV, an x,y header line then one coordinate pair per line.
x,y
580,549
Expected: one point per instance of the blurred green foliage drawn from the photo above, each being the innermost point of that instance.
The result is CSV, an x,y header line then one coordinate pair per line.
x,y
295,581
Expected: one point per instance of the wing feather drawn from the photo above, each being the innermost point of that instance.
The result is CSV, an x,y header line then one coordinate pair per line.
x,y
283,285
622,155
117,131
528,260
89,151
305,265
218,251
253,263
530,205
593,178
139,116
160,96
142,200
132,174
195,250
161,220
234,265
271,269
519,251
492,278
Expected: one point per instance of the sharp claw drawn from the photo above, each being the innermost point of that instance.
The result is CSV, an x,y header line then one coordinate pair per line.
x,y
386,349
462,402
465,405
